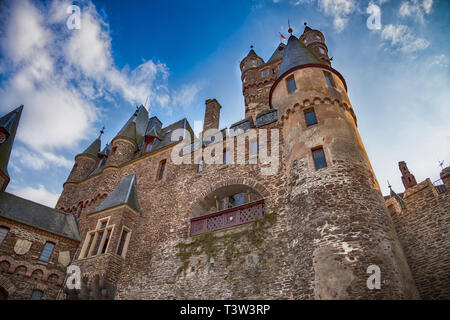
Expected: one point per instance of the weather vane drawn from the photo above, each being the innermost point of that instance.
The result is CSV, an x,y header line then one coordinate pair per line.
x,y
441,164
290,29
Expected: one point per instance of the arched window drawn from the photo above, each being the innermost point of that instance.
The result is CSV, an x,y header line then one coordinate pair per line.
x,y
3,233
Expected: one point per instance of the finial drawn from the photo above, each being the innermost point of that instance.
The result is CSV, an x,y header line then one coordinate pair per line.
x,y
306,23
389,185
101,132
441,164
290,29
251,47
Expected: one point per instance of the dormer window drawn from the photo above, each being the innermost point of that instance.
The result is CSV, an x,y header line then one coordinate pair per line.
x,y
148,147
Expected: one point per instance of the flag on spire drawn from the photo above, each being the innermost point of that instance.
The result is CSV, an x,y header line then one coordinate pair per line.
x,y
282,37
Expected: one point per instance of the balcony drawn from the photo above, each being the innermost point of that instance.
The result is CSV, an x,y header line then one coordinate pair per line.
x,y
227,218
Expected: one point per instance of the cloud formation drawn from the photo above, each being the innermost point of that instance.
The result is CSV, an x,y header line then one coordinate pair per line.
x,y
62,75
402,38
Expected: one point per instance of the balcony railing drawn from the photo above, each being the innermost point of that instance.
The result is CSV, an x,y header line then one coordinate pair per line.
x,y
228,218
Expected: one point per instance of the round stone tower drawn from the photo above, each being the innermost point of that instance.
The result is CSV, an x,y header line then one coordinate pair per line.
x,y
341,232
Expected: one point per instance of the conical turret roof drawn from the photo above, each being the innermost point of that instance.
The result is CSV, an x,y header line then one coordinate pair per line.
x,y
124,193
94,148
278,53
135,127
297,54
8,126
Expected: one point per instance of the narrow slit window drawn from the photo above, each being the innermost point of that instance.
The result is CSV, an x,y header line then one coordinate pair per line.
x,y
310,117
319,158
162,167
200,166
3,233
123,239
226,157
291,84
47,251
105,244
254,148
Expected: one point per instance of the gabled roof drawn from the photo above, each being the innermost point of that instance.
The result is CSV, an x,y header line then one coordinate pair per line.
x,y
124,193
8,124
39,216
297,54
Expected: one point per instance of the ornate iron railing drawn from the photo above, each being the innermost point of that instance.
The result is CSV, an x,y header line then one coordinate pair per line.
x,y
228,218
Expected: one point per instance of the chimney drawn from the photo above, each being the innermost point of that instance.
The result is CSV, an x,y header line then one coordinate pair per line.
x,y
407,177
212,115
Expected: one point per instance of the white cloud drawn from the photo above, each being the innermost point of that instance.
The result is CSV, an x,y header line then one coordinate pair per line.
x,y
57,73
403,39
339,10
39,194
38,161
416,9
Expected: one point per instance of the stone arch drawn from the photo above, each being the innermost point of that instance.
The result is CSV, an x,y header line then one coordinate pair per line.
x,y
53,278
20,270
207,199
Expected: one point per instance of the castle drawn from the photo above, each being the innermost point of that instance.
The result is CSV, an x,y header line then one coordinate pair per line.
x,y
141,225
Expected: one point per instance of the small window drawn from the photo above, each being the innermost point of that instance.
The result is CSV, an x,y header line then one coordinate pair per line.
x,y
123,239
329,79
162,167
47,251
148,147
36,295
265,73
226,157
291,84
319,158
322,51
99,163
200,166
318,38
310,117
254,148
3,232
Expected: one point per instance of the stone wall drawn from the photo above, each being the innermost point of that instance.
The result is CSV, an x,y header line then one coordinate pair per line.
x,y
423,228
22,271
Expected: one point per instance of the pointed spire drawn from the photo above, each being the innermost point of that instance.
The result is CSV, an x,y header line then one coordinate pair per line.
x,y
252,52
278,53
124,193
8,129
94,148
297,54
135,127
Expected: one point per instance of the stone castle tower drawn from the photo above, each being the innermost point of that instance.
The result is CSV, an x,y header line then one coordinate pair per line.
x,y
152,227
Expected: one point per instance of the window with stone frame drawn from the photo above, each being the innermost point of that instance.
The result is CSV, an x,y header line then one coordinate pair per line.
x,y
201,166
329,79
97,241
310,117
319,158
3,233
265,73
47,251
290,81
162,167
36,294
124,240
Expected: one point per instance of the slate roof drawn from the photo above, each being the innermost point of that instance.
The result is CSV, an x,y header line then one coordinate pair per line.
x,y
278,53
297,54
124,193
9,123
94,148
135,127
39,216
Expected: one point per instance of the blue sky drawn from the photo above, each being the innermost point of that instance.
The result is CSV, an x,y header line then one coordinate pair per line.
x,y
180,53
